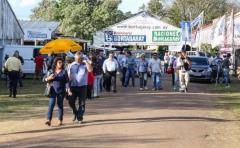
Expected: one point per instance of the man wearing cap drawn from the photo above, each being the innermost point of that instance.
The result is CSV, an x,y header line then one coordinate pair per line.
x,y
155,67
110,67
142,69
78,77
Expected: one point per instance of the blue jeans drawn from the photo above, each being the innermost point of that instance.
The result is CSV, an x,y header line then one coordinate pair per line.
x,y
143,79
52,101
156,80
97,85
129,74
226,76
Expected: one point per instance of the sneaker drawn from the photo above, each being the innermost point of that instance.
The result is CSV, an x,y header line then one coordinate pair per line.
x,y
154,89
146,88
141,89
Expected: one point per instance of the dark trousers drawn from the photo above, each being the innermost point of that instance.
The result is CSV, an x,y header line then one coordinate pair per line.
x,y
13,77
173,78
79,93
20,80
110,80
129,74
89,91
124,70
143,79
52,101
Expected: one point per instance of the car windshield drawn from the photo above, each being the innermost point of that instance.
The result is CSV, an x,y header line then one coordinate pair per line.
x,y
199,61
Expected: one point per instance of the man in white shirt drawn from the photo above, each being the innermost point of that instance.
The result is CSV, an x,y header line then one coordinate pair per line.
x,y
156,70
184,66
110,67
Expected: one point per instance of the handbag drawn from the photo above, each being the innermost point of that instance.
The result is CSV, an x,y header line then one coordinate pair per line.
x,y
47,91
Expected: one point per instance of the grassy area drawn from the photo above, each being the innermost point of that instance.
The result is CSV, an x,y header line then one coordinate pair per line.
x,y
29,102
231,97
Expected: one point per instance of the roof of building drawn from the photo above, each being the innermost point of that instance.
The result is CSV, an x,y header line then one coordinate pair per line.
x,y
40,25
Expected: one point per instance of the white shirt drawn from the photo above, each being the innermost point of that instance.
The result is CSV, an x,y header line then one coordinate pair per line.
x,y
110,65
155,65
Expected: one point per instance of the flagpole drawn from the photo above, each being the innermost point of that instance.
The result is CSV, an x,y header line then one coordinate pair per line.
x,y
191,28
232,43
200,32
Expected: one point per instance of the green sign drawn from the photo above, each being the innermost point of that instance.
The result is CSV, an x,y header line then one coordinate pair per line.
x,y
166,36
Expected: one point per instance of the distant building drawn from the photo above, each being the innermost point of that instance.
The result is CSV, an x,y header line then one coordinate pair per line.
x,y
11,31
37,32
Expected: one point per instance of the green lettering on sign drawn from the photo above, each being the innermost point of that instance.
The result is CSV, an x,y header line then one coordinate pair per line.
x,y
166,36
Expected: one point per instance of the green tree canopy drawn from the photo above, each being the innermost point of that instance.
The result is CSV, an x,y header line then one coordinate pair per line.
x,y
82,18
155,7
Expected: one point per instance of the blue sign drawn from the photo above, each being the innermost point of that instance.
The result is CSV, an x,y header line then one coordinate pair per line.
x,y
35,35
111,37
186,30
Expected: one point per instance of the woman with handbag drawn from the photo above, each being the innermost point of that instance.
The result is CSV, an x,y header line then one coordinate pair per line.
x,y
58,85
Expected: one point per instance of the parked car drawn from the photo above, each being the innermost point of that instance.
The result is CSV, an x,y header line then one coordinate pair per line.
x,y
196,53
200,69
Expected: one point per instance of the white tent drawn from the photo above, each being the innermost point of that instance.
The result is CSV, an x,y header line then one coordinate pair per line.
x,y
141,29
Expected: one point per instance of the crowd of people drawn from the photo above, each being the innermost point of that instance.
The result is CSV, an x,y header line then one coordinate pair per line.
x,y
86,76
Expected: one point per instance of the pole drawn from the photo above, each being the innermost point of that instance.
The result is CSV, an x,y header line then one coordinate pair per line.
x,y
190,18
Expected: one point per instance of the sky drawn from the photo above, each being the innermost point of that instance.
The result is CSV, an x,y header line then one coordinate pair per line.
x,y
22,8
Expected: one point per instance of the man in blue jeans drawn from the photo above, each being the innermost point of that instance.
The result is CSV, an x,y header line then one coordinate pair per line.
x,y
155,67
142,70
226,69
130,73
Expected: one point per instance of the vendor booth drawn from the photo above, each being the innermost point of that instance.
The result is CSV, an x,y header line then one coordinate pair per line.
x,y
141,29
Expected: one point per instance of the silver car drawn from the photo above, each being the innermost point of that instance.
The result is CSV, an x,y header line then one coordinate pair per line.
x,y
200,69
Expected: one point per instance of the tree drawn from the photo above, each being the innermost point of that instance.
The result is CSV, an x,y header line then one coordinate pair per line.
x,y
82,18
46,10
184,9
155,7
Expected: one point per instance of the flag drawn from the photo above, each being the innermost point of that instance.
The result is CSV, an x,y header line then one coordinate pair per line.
x,y
198,21
230,30
186,31
219,32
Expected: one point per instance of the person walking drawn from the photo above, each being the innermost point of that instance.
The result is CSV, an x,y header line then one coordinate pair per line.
x,y
78,85
13,67
57,77
91,78
226,69
22,62
172,66
155,67
142,71
39,60
130,73
166,62
110,67
98,74
184,66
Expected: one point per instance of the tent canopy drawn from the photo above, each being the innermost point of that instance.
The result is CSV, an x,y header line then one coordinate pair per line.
x,y
141,29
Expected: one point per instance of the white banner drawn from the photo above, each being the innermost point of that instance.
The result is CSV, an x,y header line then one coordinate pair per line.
x,y
218,35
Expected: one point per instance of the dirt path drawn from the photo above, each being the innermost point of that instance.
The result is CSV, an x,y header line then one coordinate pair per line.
x,y
136,119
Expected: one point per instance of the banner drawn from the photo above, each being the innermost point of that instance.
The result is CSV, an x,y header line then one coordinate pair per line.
x,y
186,30
166,36
219,32
198,21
